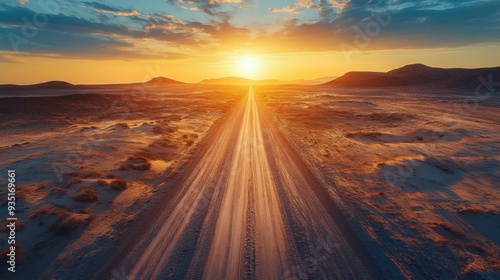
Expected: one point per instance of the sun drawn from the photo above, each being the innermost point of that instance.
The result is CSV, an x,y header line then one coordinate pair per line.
x,y
248,65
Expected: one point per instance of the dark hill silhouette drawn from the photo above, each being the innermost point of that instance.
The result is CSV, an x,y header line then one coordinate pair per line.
x,y
61,85
417,75
475,79
46,85
163,81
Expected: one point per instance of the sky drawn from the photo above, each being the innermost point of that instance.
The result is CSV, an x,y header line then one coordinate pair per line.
x,y
119,41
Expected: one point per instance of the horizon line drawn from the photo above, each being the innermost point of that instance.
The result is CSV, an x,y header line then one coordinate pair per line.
x,y
229,77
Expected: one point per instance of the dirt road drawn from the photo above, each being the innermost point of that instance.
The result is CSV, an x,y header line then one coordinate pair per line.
x,y
248,209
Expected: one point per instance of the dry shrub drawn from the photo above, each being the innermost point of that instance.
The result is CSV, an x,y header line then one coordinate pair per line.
x,y
189,142
451,228
162,130
86,194
123,167
49,210
111,176
69,222
72,181
143,155
66,221
139,163
119,184
124,125
102,182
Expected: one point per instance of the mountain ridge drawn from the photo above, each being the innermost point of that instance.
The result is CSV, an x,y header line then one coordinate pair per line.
x,y
417,75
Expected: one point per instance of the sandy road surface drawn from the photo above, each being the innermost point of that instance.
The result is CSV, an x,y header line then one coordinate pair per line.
x,y
248,209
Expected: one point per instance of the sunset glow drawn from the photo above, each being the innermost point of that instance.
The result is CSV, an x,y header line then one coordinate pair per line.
x,y
248,66
83,42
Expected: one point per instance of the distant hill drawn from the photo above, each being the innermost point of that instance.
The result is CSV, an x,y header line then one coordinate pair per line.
x,y
314,82
61,85
163,81
417,75
46,85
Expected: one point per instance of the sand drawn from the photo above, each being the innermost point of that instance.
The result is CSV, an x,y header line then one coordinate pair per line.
x,y
417,171
414,174
122,148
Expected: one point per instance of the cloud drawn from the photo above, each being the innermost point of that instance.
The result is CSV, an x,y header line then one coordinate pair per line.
x,y
324,8
287,9
305,3
8,57
66,45
71,36
213,8
131,34
108,9
247,4
387,24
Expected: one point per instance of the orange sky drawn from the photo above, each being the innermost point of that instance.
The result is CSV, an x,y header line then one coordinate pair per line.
x,y
282,67
126,41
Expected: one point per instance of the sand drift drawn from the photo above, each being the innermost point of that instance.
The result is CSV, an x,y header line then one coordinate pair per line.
x,y
248,207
